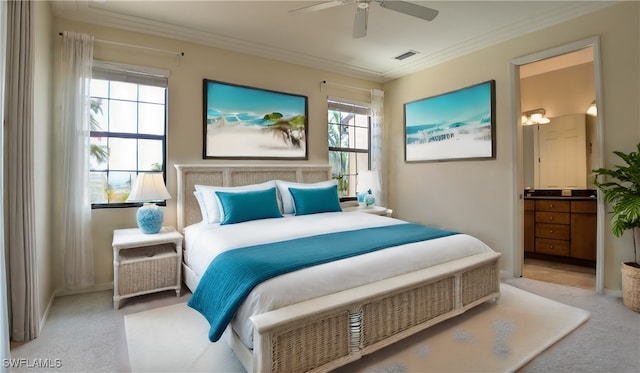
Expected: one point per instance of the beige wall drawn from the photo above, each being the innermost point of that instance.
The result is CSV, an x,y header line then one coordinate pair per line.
x,y
560,92
470,196
184,136
43,124
477,196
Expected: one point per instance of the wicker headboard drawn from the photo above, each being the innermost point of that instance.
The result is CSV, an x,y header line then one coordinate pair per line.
x,y
235,175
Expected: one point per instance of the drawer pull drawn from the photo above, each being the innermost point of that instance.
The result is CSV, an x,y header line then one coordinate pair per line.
x,y
550,205
550,217
551,246
550,230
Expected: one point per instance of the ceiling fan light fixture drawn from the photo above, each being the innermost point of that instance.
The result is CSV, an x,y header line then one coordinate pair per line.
x,y
360,23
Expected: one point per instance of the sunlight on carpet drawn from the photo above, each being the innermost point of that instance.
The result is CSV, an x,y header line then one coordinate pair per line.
x,y
489,338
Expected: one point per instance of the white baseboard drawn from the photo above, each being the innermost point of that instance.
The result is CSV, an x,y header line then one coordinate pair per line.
x,y
613,293
90,289
62,292
43,319
505,275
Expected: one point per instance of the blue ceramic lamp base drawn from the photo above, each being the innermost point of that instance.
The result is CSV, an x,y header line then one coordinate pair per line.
x,y
366,199
149,218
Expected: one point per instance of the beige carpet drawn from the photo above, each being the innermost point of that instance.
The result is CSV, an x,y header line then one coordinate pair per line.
x,y
489,338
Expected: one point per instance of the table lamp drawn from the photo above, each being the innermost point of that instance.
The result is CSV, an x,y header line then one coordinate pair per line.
x,y
368,183
149,187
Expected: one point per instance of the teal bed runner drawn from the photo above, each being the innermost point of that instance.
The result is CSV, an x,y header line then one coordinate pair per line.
x,y
232,275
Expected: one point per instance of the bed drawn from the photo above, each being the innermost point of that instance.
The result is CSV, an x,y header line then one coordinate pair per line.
x,y
361,304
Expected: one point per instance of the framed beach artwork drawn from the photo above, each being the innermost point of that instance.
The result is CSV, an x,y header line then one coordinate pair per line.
x,y
249,123
458,125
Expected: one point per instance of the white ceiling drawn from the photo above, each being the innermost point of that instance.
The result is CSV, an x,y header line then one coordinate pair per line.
x,y
323,39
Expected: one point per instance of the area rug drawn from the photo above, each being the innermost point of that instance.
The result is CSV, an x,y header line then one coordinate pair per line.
x,y
493,337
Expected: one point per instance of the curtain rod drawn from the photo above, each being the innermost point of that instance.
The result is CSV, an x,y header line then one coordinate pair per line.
x,y
343,86
178,54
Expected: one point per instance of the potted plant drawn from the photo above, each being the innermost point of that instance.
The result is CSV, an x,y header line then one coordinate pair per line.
x,y
621,189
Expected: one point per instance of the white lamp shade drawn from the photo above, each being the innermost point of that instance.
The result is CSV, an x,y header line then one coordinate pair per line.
x,y
148,187
368,180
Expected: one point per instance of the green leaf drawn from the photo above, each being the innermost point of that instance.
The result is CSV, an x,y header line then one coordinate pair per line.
x,y
620,186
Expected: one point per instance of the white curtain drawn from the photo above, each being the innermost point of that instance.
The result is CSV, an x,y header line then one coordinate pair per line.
x,y
377,121
18,187
4,315
77,56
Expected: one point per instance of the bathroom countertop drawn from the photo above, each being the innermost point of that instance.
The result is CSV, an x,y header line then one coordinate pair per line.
x,y
569,198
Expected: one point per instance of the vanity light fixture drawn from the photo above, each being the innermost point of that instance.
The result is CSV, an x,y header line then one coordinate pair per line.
x,y
593,109
536,116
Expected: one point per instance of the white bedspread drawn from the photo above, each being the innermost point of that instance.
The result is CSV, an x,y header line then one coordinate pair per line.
x,y
204,241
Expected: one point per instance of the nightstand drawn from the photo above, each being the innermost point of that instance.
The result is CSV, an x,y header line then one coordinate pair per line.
x,y
145,263
377,210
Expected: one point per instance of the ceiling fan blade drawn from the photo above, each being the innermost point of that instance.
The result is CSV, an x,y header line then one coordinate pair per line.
x,y
414,10
316,7
360,23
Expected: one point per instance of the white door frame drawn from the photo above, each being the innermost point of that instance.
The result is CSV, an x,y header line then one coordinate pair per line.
x,y
518,181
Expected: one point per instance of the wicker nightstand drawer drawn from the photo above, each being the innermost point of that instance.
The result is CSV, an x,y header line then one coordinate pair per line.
x,y
147,268
145,263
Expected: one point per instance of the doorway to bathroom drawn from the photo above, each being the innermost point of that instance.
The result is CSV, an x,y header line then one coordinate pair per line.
x,y
559,144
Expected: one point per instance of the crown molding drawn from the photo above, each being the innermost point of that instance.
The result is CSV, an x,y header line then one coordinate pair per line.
x,y
81,11
505,33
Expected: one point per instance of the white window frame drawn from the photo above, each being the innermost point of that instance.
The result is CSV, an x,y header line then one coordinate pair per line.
x,y
348,106
139,75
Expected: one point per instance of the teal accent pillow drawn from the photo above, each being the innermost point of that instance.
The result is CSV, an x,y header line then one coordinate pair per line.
x,y
250,205
315,200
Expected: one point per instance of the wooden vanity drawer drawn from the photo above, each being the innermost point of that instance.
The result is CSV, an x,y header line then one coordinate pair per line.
x,y
584,207
552,247
555,231
553,205
561,227
553,217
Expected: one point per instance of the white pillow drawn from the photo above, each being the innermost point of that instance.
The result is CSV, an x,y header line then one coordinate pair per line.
x,y
212,204
203,209
287,199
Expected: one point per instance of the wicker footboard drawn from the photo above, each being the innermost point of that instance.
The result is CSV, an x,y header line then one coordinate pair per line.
x,y
324,333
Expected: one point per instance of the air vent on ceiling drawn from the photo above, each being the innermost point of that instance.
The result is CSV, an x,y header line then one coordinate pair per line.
x,y
406,55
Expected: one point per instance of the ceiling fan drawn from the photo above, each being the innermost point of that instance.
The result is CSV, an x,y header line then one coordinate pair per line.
x,y
362,11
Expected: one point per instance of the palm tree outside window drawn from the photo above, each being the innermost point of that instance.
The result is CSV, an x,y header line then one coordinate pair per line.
x,y
349,138
127,131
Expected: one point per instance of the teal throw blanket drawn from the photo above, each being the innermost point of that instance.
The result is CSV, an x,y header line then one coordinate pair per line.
x,y
232,275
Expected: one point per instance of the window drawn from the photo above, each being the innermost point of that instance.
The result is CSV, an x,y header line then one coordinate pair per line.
x,y
127,130
349,129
